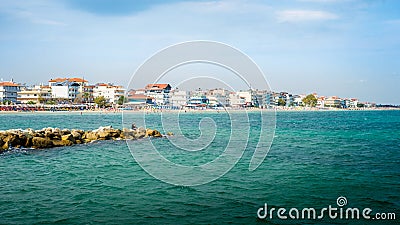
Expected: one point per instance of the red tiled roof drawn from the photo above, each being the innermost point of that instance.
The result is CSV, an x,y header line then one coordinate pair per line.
x,y
139,96
75,79
6,83
156,86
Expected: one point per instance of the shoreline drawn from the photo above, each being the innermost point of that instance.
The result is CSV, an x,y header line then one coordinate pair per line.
x,y
106,112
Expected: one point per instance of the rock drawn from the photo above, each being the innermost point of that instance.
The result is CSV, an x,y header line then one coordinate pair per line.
x,y
22,140
51,137
68,137
12,140
1,144
90,136
39,142
65,132
103,134
87,140
170,134
76,135
58,143
140,133
28,142
149,132
115,133
153,133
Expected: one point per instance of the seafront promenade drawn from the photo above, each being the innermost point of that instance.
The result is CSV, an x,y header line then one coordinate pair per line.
x,y
150,109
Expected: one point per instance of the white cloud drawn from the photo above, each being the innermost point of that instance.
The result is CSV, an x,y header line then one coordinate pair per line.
x,y
304,15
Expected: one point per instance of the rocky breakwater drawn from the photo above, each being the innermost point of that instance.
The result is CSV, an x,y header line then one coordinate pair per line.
x,y
55,137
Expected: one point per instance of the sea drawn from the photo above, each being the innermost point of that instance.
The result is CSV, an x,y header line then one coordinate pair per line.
x,y
318,159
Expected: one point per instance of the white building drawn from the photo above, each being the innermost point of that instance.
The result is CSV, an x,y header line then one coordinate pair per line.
x,y
159,92
179,98
66,88
111,93
321,102
8,91
218,96
236,100
298,100
36,94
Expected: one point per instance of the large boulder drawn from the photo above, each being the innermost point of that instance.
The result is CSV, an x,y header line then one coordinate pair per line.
x,y
153,133
91,136
28,142
1,144
40,142
104,134
68,137
13,140
65,131
140,133
58,143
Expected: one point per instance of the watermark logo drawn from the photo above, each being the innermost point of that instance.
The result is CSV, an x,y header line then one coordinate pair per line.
x,y
341,201
330,212
149,153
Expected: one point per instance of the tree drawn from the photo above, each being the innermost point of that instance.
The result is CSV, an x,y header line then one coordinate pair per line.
x,y
281,102
121,100
100,101
7,102
310,100
31,103
86,95
40,99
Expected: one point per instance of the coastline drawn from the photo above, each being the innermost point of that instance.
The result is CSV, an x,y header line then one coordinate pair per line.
x,y
302,109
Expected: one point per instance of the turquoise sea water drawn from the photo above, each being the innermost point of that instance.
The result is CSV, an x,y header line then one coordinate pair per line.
x,y
315,158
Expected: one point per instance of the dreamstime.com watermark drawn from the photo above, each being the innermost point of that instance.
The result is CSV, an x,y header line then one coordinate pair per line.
x,y
330,212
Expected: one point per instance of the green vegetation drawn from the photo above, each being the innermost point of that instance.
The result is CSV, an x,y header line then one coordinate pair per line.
x,y
100,101
122,100
281,102
7,102
86,96
31,103
51,102
310,100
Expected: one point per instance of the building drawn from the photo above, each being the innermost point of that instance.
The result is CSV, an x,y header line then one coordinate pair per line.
x,y
111,92
179,98
333,102
8,91
321,102
87,94
287,97
159,92
298,100
198,102
218,96
67,88
237,99
36,94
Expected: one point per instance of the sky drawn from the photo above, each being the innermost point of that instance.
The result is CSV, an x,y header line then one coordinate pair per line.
x,y
346,48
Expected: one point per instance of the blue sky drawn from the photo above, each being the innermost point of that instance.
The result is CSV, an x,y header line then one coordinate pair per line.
x,y
349,48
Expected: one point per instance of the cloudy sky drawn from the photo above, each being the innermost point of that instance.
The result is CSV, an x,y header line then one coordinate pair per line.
x,y
349,48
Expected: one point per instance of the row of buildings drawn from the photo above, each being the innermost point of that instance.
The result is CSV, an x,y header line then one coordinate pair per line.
x,y
78,90
163,95
59,90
